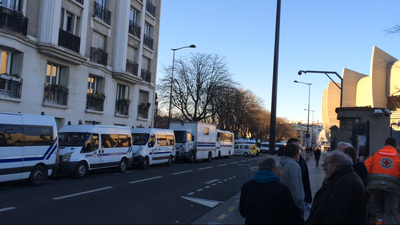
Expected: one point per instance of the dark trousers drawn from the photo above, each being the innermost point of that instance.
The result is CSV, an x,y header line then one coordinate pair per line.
x,y
386,204
316,161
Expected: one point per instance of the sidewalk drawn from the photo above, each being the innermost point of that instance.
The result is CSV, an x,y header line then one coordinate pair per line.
x,y
228,212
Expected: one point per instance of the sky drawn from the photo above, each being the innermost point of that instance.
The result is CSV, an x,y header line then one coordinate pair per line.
x,y
322,35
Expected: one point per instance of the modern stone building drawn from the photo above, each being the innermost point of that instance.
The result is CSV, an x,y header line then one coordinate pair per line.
x,y
81,61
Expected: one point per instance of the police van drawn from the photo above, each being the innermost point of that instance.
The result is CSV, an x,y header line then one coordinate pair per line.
x,y
88,147
153,146
28,147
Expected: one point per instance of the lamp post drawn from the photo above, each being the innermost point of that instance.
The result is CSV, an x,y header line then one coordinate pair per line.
x,y
172,79
327,74
308,111
312,126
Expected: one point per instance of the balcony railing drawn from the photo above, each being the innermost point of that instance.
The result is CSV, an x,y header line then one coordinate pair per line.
x,y
68,40
143,112
134,29
80,1
56,94
121,107
102,12
151,8
98,55
10,87
132,67
145,75
95,102
13,20
148,41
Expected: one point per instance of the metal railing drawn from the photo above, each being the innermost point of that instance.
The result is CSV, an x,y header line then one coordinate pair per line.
x,y
132,67
98,55
13,20
134,29
143,112
94,103
151,8
148,41
56,94
102,12
68,40
10,88
121,107
145,75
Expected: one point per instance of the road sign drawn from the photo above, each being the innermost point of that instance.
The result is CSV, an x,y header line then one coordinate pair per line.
x,y
308,135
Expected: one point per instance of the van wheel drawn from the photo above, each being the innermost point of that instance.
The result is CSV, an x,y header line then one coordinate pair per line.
x,y
38,176
170,161
246,154
145,163
123,165
209,157
229,154
81,170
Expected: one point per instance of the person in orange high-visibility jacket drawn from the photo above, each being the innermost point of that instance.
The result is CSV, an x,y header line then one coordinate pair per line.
x,y
384,181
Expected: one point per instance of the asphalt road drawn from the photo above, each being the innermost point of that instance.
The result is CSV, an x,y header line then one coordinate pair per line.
x,y
178,194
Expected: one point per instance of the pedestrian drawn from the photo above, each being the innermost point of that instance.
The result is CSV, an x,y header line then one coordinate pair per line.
x,y
317,155
342,199
265,200
342,145
291,176
384,181
359,167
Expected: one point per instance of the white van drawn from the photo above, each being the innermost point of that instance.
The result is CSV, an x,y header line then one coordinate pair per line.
x,y
89,147
153,146
28,147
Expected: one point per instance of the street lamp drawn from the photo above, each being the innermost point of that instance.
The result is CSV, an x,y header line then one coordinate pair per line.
x,y
172,79
326,73
312,126
308,111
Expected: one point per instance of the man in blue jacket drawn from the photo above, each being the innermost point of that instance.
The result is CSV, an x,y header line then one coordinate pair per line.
x,y
265,200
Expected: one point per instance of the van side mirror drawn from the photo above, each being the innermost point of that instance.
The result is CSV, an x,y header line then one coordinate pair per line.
x,y
151,144
193,137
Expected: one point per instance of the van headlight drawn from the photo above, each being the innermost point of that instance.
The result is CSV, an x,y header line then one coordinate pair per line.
x,y
66,157
138,152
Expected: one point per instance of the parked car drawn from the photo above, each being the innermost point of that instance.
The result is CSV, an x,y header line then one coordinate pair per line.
x,y
265,146
246,150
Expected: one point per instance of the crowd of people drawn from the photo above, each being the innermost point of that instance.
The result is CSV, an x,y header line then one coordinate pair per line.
x,y
280,191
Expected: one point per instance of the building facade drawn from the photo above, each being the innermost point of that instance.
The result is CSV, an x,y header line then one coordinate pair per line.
x,y
314,129
81,61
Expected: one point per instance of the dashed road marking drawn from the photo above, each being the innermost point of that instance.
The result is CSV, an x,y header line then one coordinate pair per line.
x,y
6,209
207,186
200,189
208,167
82,193
191,193
222,164
234,162
186,171
221,217
206,202
231,208
151,178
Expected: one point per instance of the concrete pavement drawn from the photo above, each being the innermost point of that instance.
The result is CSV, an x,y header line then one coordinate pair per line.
x,y
228,211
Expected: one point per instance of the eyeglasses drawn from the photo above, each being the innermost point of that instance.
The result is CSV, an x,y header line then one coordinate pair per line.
x,y
323,165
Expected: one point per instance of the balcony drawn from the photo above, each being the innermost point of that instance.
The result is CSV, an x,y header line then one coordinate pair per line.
x,y
98,55
13,21
102,12
134,29
145,75
122,107
132,67
151,8
148,41
10,86
95,102
68,40
55,93
143,111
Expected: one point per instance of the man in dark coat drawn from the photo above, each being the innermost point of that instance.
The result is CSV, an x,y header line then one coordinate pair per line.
x,y
265,200
317,155
342,199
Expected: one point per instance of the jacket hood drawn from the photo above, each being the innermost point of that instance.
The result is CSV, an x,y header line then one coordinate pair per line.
x,y
265,176
284,159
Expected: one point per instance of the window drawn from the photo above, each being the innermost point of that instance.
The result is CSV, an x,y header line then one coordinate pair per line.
x,y
143,97
38,135
11,135
133,16
99,41
12,4
5,61
109,140
95,85
70,22
125,141
161,140
122,92
147,30
92,144
170,140
206,131
56,75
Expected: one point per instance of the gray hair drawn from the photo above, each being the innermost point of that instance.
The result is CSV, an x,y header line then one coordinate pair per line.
x,y
269,163
340,158
347,144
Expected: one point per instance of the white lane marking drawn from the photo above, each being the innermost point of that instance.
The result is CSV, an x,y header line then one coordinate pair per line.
x,y
199,189
223,165
207,186
208,167
8,208
213,184
82,193
234,162
191,193
225,179
206,202
151,178
243,160
211,181
187,171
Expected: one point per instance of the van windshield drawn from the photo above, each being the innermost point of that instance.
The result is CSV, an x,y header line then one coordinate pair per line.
x,y
180,136
73,139
140,139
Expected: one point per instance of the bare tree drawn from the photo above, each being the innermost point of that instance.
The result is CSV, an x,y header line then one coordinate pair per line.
x,y
197,81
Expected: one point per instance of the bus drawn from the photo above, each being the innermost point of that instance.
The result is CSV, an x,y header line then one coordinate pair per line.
x,y
225,143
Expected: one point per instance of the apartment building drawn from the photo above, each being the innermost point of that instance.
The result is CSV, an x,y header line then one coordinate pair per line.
x,y
81,61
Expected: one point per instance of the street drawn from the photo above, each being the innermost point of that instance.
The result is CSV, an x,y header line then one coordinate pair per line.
x,y
178,194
